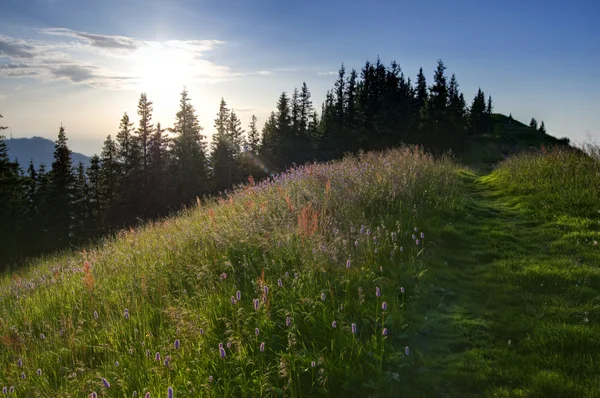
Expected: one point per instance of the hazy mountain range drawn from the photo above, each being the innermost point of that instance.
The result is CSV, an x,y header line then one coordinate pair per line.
x,y
38,149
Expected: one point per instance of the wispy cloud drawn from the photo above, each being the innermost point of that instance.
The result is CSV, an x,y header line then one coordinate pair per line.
x,y
330,73
117,62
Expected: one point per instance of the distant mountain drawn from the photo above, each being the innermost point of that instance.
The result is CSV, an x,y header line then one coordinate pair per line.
x,y
41,150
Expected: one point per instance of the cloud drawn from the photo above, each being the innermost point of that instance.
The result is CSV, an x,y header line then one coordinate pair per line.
x,y
95,40
330,73
264,72
13,48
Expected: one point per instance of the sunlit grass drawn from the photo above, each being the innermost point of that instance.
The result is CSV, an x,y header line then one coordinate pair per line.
x,y
301,286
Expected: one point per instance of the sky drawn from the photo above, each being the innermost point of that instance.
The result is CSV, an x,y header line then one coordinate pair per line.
x,y
83,63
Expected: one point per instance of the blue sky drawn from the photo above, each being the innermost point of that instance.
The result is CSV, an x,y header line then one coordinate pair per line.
x,y
84,63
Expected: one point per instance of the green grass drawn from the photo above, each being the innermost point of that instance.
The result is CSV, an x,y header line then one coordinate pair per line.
x,y
501,298
177,280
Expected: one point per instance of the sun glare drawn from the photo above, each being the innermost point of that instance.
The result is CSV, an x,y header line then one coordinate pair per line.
x,y
162,69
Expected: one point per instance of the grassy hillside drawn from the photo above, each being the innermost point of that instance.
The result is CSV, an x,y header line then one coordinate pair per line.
x,y
299,287
386,275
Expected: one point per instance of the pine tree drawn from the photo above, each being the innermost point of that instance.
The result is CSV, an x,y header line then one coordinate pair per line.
x,y
270,149
145,129
306,108
421,107
189,152
295,113
131,168
284,132
533,123
81,206
542,128
110,185
158,176
351,111
488,114
94,178
221,153
11,204
438,111
477,117
457,112
62,186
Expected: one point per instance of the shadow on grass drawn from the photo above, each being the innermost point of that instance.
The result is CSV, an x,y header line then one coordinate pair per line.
x,y
512,307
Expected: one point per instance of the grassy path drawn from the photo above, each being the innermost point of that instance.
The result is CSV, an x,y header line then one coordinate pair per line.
x,y
512,307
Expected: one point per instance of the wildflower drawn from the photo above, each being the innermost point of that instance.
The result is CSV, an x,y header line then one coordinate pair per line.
x,y
417,242
229,344
148,354
232,300
414,237
287,274
313,364
126,313
223,276
322,296
210,379
11,389
238,295
384,332
279,283
117,363
134,394
157,357
401,249
279,244
375,240
288,321
377,292
354,328
368,232
170,392
406,351
131,351
402,290
348,263
167,360
362,229
201,331
422,235
384,306
416,229
266,289
95,314
356,243
23,375
334,324
20,362
393,236
93,394
5,390
39,372
176,344
256,331
147,395
222,352
262,347
42,336
105,382
255,304
295,275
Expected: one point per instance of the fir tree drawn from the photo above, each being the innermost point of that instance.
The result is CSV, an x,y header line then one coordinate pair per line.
x,y
221,157
533,123
542,128
158,177
62,186
110,193
81,206
94,178
145,129
253,137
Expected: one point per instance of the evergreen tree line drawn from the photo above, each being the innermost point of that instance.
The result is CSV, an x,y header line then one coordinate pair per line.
x,y
146,171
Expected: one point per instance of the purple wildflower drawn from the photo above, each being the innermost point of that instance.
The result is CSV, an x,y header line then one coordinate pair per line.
x,y
39,372
20,362
238,295
167,360
256,331
354,328
377,292
362,229
147,395
232,299
322,296
368,232
384,332
223,275
126,313
210,379
295,275
288,321
131,351
255,304
176,344
266,289
356,243
262,347
170,392
402,290
287,274
384,306
5,390
105,382
279,283
422,235
229,344
157,357
401,249
148,354
93,394
414,237
313,364
23,375
334,324
406,351
201,331
11,389
117,363
42,336
95,314
348,263
417,242
222,352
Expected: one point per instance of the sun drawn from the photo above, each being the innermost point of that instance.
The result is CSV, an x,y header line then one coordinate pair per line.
x,y
161,69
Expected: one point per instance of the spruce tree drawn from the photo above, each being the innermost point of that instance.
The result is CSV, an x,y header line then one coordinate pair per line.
x,y
477,117
488,113
421,107
542,128
284,133
221,158
533,123
11,204
81,207
94,176
62,191
146,128
110,195
158,176
438,111
253,136
189,153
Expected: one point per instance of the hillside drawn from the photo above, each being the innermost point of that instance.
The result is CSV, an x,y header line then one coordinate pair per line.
x,y
386,275
41,150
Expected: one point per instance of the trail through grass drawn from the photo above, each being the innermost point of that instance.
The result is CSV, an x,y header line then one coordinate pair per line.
x,y
513,303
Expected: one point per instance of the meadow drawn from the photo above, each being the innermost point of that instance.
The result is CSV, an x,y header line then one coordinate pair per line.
x,y
386,274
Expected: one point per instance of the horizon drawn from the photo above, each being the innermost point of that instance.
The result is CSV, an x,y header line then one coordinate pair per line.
x,y
63,61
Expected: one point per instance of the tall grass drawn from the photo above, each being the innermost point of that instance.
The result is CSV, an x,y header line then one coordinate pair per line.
x,y
299,286
551,182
